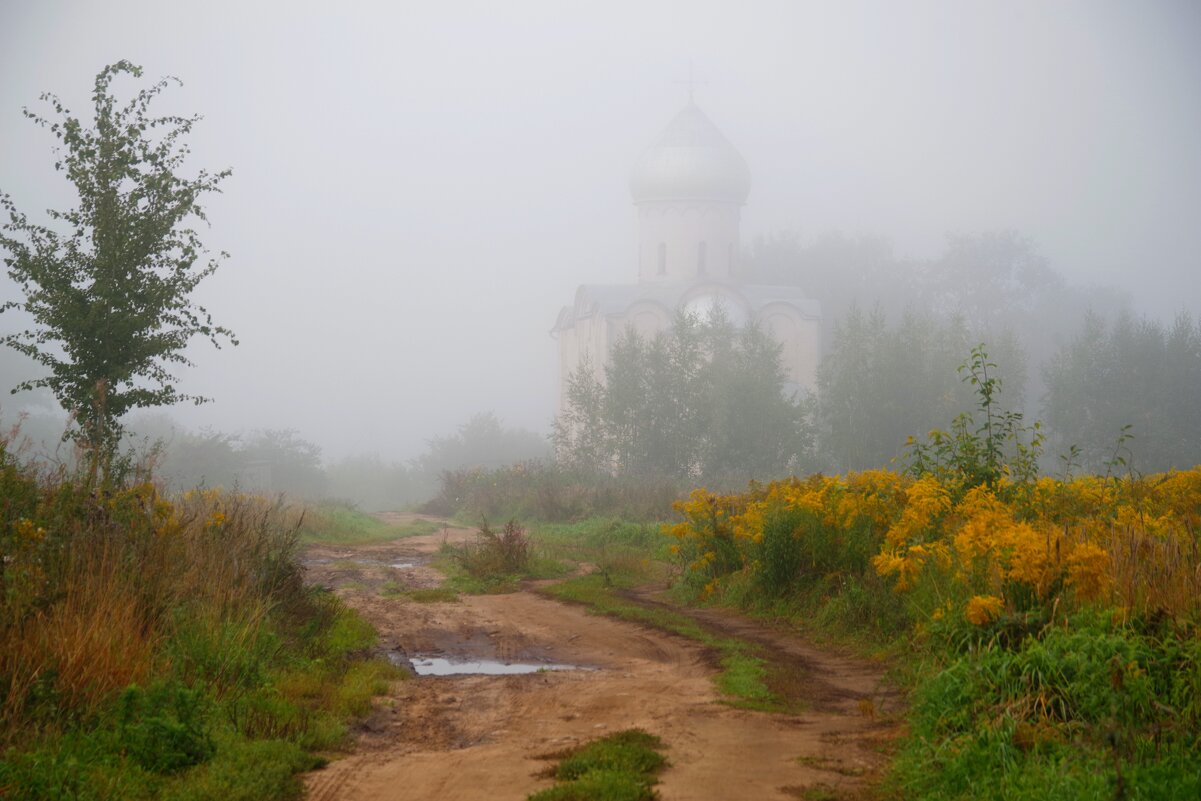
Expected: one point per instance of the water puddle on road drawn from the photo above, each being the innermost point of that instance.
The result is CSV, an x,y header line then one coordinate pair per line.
x,y
359,562
441,666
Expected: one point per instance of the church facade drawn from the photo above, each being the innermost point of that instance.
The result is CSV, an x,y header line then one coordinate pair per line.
x,y
689,188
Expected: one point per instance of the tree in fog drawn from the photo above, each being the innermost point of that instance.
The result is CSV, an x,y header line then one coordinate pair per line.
x,y
280,460
483,441
107,284
838,270
184,459
748,424
995,281
376,485
879,384
1130,372
706,399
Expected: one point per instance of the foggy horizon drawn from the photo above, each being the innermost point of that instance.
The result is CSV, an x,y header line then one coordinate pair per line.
x,y
417,190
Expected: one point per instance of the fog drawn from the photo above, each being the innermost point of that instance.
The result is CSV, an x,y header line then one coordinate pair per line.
x,y
419,187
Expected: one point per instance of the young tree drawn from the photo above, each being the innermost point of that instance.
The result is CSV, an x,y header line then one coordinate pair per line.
x,y
705,400
107,284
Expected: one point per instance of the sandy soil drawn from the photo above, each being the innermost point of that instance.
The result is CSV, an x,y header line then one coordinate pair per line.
x,y
485,737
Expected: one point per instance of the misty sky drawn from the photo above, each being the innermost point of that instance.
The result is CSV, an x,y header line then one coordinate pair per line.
x,y
418,187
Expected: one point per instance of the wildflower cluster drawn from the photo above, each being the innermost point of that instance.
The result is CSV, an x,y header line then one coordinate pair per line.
x,y
986,550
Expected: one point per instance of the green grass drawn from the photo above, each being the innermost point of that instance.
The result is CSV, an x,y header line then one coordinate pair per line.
x,y
745,675
427,595
242,709
619,767
1087,709
342,525
433,595
339,524
419,528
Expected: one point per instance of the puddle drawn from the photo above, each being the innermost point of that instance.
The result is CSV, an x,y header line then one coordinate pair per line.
x,y
354,562
440,666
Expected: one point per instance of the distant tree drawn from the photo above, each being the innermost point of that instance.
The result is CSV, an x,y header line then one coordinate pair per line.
x,y
751,427
579,433
838,270
280,460
880,384
184,459
1130,372
483,441
704,400
107,284
993,279
376,485
996,282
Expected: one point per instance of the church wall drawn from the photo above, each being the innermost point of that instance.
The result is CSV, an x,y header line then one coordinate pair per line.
x,y
677,230
800,338
647,319
586,339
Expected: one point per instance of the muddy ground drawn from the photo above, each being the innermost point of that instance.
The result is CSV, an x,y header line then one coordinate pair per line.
x,y
466,737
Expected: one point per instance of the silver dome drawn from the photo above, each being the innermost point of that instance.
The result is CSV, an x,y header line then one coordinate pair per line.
x,y
691,160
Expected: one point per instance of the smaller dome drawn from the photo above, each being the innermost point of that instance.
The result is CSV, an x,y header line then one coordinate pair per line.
x,y
691,160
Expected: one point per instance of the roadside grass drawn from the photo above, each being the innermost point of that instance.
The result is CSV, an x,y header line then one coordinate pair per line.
x,y
619,767
156,647
237,716
342,524
746,676
857,613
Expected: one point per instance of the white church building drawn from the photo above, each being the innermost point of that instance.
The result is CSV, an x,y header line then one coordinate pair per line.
x,y
689,188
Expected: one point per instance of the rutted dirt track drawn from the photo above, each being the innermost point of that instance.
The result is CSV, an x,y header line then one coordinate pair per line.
x,y
459,738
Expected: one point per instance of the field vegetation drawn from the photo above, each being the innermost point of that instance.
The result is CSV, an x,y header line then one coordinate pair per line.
x,y
1055,621
165,647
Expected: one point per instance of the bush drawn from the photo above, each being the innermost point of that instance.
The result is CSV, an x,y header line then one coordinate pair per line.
x,y
158,647
495,554
164,728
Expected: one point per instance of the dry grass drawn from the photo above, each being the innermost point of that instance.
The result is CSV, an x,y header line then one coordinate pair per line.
x,y
92,584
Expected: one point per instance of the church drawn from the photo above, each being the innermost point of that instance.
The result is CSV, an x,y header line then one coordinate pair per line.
x,y
689,188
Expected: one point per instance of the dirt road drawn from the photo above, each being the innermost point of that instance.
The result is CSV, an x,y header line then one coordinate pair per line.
x,y
466,737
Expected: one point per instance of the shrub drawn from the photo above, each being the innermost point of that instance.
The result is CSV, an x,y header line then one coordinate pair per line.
x,y
163,728
158,647
493,554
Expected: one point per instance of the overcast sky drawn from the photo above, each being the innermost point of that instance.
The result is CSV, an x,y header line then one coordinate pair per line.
x,y
418,187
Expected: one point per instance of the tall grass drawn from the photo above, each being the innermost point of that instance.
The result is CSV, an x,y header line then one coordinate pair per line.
x,y
175,628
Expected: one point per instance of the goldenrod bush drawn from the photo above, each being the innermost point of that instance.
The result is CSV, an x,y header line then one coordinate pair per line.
x,y
1052,628
1131,543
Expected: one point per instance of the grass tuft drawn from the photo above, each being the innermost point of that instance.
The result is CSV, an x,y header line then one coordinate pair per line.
x,y
619,767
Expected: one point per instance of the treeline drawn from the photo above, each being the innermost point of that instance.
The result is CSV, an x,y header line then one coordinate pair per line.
x,y
282,461
709,401
707,397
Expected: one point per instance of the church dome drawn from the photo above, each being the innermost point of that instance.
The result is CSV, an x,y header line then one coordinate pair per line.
x,y
691,160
